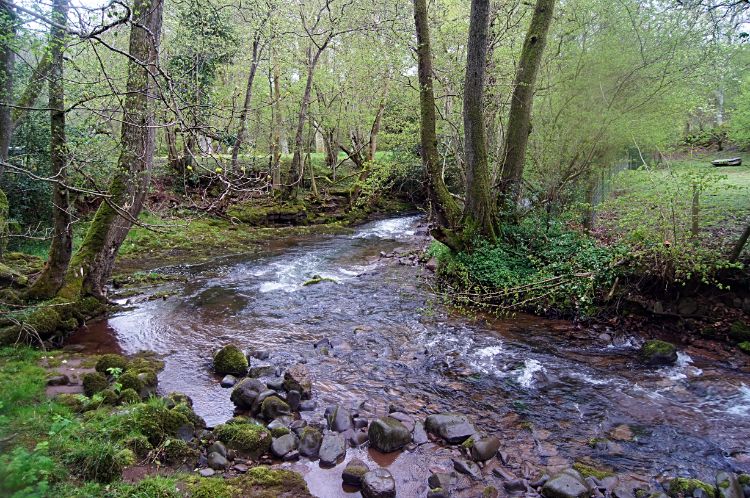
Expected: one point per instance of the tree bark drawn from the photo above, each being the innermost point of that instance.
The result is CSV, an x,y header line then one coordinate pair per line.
x,y
92,263
519,119
7,63
479,212
446,209
257,51
740,245
61,249
276,149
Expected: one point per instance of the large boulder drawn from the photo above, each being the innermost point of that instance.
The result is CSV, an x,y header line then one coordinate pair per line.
x,y
332,449
568,483
246,392
298,378
230,360
656,352
378,483
453,427
388,434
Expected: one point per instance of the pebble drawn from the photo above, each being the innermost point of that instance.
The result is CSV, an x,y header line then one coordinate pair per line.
x,y
206,472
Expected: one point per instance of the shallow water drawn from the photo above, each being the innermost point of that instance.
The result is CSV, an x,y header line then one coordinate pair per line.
x,y
543,389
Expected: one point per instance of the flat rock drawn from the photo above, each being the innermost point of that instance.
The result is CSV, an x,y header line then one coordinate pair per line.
x,y
485,448
378,483
307,406
228,381
455,428
439,480
467,467
332,449
354,471
439,493
283,445
568,483
388,434
260,368
58,380
359,438
276,384
206,472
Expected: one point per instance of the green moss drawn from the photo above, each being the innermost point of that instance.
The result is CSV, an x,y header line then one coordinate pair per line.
x,y
744,479
488,491
230,360
739,332
280,431
130,381
44,321
724,484
177,451
97,460
70,400
263,482
468,443
687,486
211,488
744,347
317,279
156,422
180,398
138,445
272,407
653,347
594,441
128,397
127,457
252,438
109,397
239,419
93,383
196,420
111,361
9,335
587,471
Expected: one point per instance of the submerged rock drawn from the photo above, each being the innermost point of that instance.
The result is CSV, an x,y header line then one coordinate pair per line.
x,y
453,427
467,467
228,381
568,483
388,434
230,360
378,483
656,352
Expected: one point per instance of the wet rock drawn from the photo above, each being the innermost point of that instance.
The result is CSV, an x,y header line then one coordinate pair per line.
x,y
258,354
402,417
273,407
728,486
656,352
439,480
206,472
484,449
388,434
354,471
297,378
307,406
276,384
339,419
241,468
293,399
332,449
228,381
309,445
246,392
217,447
467,467
688,487
283,445
202,461
359,438
503,474
515,487
261,369
298,426
623,492
504,457
610,482
453,427
230,360
378,483
541,482
58,380
568,483
687,306
217,462
420,435
323,343
431,264
292,455
438,493
360,423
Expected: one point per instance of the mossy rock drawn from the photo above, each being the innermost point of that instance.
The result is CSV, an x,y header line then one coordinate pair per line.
x,y
274,407
211,488
10,277
72,401
181,398
130,382
109,397
9,296
9,335
25,264
739,332
252,438
45,321
588,471
264,482
138,445
280,431
157,423
744,347
744,479
686,487
111,361
177,451
93,383
655,352
127,457
195,419
97,460
230,360
128,397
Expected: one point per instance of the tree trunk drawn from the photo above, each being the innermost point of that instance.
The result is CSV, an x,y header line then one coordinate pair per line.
x,y
277,125
61,249
294,171
740,245
92,263
446,209
33,89
257,51
7,63
479,211
376,123
519,120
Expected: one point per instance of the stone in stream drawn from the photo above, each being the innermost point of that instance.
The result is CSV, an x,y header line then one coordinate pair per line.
x,y
58,380
309,445
439,480
623,492
228,381
420,435
246,392
283,445
515,487
339,419
293,399
230,360
568,483
467,467
261,369
388,434
273,407
258,354
688,487
378,483
297,378
360,423
354,472
298,426
485,448
323,343
276,384
453,427
359,438
656,352
332,449
402,417
217,462
728,486
438,493
307,406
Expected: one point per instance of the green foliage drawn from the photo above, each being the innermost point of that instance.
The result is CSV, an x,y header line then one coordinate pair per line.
x,y
24,473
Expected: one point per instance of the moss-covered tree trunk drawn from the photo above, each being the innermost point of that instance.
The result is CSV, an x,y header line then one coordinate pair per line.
x,y
92,263
61,249
446,209
479,212
519,119
7,62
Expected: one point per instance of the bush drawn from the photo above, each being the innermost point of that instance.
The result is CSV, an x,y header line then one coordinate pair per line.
x,y
23,473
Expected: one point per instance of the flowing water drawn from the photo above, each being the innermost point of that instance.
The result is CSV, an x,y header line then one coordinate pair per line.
x,y
543,389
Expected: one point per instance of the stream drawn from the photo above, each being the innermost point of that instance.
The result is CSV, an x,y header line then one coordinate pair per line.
x,y
544,391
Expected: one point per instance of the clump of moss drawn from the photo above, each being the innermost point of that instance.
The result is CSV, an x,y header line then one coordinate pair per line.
x,y
744,479
744,347
127,457
280,431
130,380
44,321
138,445
93,383
211,488
128,397
177,451
239,419
588,471
318,279
230,360
180,398
659,348
70,400
487,493
272,407
111,361
686,487
739,332
264,482
593,442
195,419
156,422
252,438
468,443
